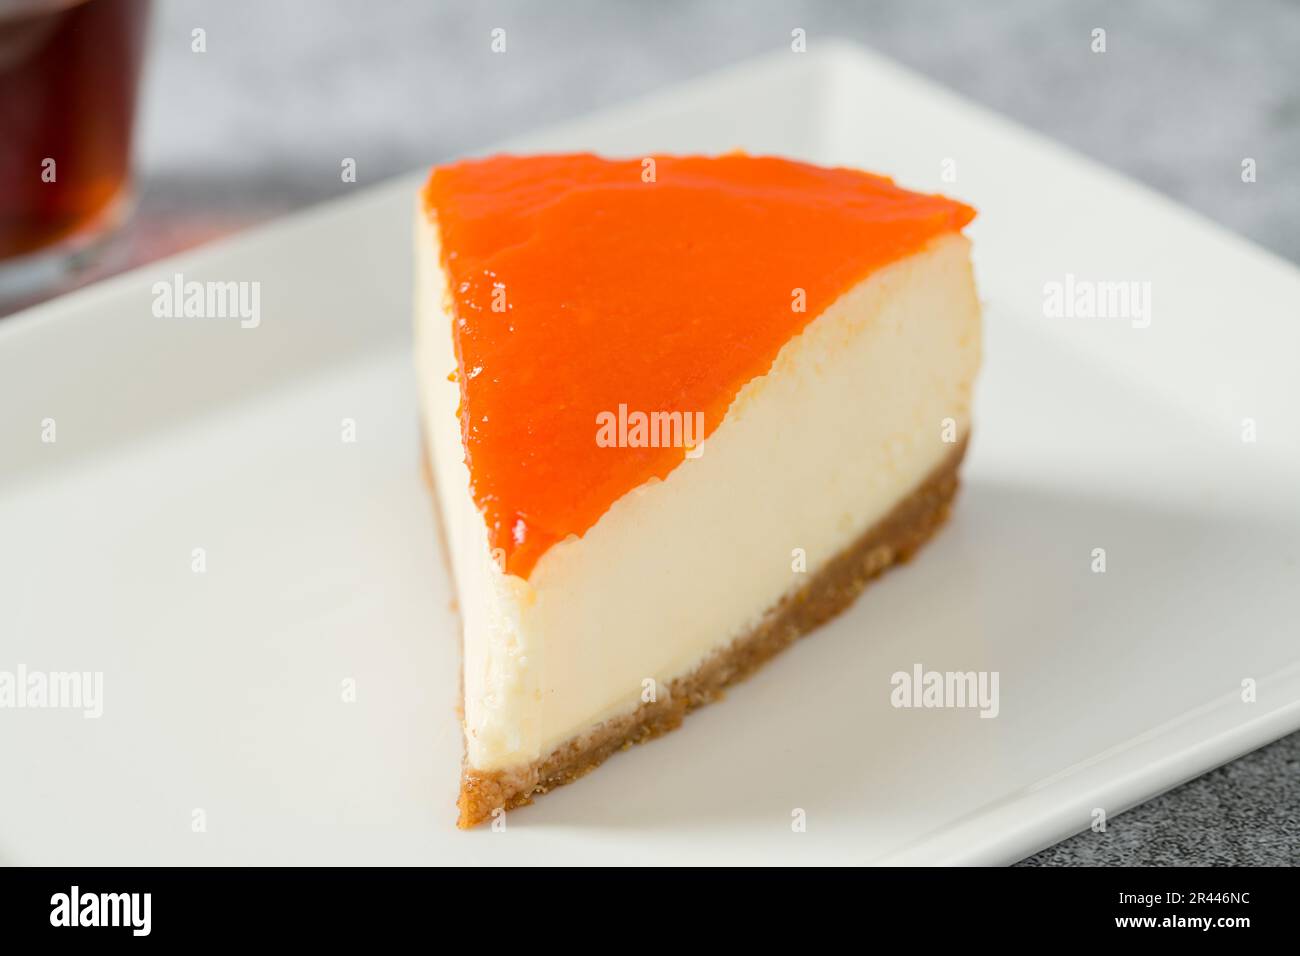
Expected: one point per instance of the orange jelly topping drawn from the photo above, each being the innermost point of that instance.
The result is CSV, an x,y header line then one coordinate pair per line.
x,y
587,292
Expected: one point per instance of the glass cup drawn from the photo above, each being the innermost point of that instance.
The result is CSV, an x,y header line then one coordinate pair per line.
x,y
69,71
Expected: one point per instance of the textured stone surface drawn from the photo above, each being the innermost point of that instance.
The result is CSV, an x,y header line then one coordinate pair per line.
x,y
258,124
1245,812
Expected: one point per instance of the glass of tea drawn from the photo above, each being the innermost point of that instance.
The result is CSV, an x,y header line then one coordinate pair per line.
x,y
69,70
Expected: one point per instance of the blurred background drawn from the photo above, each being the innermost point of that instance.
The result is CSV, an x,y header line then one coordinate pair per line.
x,y
256,125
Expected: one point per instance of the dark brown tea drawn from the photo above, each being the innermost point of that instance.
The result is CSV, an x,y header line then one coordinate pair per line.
x,y
68,74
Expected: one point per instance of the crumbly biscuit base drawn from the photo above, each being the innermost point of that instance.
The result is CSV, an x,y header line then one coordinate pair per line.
x,y
833,588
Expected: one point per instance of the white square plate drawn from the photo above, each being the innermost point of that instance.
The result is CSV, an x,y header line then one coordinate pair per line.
x,y
225,736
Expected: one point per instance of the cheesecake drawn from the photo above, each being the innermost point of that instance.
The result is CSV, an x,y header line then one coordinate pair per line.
x,y
677,412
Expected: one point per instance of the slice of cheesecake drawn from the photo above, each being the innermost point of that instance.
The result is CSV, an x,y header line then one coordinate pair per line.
x,y
678,412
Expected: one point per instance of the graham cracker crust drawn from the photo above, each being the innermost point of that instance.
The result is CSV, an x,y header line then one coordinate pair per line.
x,y
892,540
